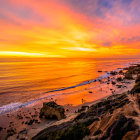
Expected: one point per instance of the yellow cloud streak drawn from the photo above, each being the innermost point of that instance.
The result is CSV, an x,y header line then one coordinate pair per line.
x,y
5,53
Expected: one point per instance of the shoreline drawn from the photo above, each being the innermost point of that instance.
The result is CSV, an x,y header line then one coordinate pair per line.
x,y
53,91
114,117
39,125
104,75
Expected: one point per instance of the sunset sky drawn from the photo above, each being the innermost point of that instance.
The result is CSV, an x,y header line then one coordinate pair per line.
x,y
70,28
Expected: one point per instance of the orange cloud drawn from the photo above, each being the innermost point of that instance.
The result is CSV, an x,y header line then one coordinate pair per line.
x,y
56,29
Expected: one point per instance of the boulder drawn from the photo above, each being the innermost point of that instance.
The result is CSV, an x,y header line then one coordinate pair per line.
x,y
51,110
113,83
113,73
138,79
128,75
119,79
1,128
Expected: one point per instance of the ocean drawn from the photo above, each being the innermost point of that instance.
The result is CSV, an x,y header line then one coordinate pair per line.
x,y
26,79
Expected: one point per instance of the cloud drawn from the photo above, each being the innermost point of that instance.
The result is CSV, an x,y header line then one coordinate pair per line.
x,y
131,39
99,26
107,44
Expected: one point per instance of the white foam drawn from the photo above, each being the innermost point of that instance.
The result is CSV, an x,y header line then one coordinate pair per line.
x,y
16,105
8,107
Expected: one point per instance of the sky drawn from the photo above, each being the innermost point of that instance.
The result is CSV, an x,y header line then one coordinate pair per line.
x,y
70,28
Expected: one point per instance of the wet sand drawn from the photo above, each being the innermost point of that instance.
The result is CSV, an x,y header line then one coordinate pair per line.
x,y
27,117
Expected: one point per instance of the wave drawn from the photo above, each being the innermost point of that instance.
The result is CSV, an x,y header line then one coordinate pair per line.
x,y
17,105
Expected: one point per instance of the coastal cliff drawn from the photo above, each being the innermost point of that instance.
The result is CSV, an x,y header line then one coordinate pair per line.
x,y
116,117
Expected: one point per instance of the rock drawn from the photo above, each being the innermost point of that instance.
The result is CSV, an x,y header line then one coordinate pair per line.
x,y
81,109
113,83
107,119
52,111
119,128
136,88
81,116
113,73
97,132
36,121
1,128
130,135
29,122
119,79
119,86
121,72
11,132
128,76
19,117
134,113
138,79
138,100
85,106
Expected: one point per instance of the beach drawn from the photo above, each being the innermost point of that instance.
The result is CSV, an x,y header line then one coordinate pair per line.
x,y
26,117
69,69
26,79
114,117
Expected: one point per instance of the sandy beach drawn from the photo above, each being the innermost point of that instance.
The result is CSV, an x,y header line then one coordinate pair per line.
x,y
114,117
27,117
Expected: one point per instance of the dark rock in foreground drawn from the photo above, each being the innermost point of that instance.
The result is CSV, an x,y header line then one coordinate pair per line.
x,y
51,110
10,132
119,128
1,128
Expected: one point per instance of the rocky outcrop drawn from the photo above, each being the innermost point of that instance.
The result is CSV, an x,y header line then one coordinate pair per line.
x,y
132,70
51,110
112,118
113,127
128,75
136,88
119,79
